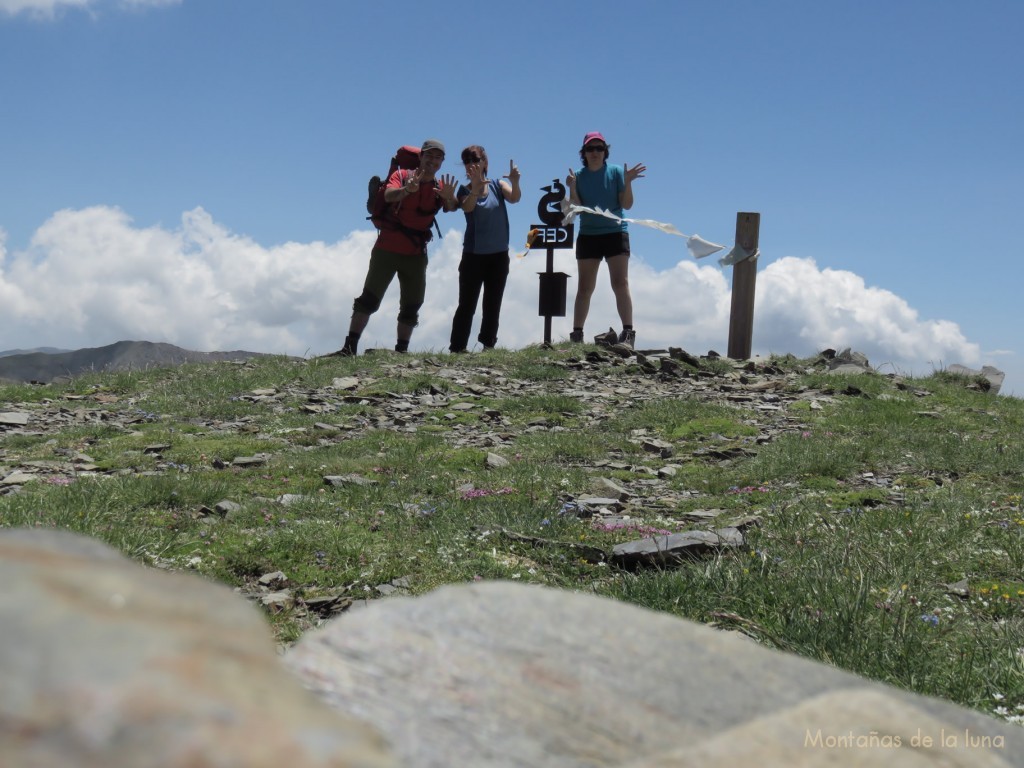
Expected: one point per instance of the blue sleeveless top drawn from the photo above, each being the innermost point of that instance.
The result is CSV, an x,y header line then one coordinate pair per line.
x,y
487,224
600,189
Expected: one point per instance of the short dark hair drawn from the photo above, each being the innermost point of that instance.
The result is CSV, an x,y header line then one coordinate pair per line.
x,y
475,150
583,153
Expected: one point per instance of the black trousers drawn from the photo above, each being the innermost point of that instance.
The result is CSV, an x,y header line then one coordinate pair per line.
x,y
489,272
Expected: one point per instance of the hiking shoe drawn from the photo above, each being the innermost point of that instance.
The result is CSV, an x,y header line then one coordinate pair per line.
x,y
576,337
627,338
348,349
345,351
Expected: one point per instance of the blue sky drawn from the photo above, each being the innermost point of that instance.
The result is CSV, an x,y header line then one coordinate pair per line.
x,y
193,171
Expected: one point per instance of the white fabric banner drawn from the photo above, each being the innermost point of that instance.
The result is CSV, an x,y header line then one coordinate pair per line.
x,y
698,246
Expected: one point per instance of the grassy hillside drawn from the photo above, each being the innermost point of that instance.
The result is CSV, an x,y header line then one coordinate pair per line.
x,y
883,522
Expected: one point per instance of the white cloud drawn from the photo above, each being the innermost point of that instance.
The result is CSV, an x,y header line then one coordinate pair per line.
x,y
799,305
147,3
91,277
40,8
47,9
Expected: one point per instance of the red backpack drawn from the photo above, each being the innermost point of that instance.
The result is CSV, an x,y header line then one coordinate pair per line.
x,y
383,214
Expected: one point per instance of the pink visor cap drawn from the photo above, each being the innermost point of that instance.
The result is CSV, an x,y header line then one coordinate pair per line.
x,y
593,136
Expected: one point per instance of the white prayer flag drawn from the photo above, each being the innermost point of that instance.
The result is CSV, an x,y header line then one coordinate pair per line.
x,y
698,246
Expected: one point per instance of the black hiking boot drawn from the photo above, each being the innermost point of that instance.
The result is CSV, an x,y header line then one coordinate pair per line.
x,y
349,349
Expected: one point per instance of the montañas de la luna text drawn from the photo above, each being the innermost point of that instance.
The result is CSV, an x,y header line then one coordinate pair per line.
x,y
945,739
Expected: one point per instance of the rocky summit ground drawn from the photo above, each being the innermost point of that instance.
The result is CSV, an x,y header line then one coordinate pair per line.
x,y
492,673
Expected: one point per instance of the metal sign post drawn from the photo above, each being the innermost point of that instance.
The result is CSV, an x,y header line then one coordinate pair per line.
x,y
552,235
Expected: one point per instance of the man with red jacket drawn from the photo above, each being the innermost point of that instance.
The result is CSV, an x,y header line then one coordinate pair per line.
x,y
415,198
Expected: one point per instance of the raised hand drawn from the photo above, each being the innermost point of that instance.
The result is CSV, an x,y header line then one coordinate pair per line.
x,y
636,172
513,172
511,191
475,172
412,184
570,180
448,188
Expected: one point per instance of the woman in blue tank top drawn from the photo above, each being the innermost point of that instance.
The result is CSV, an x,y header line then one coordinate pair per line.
x,y
599,184
485,259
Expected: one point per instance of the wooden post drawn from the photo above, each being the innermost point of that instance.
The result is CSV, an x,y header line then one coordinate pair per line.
x,y
744,277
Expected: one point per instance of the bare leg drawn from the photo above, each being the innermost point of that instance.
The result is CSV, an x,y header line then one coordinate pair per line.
x,y
618,271
584,290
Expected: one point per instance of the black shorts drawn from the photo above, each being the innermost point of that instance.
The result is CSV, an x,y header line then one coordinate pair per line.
x,y
602,246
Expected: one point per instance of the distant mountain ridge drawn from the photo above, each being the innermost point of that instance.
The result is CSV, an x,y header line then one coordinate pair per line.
x,y
46,367
44,350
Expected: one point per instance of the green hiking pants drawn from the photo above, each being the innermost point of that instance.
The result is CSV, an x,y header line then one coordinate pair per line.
x,y
412,284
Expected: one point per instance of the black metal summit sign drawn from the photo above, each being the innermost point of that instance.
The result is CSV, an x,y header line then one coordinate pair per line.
x,y
551,234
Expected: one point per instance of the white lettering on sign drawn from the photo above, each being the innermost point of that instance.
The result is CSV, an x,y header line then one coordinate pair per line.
x,y
549,235
544,236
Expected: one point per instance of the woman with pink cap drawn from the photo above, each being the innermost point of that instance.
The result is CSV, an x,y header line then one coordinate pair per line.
x,y
598,184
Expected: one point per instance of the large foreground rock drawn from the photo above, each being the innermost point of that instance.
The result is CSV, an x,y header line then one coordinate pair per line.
x,y
107,664
500,674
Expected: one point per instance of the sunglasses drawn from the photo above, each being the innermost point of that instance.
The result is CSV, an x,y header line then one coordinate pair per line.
x,y
473,159
595,148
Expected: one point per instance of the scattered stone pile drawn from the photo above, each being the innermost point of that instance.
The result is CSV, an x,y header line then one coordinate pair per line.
x,y
640,377
653,376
